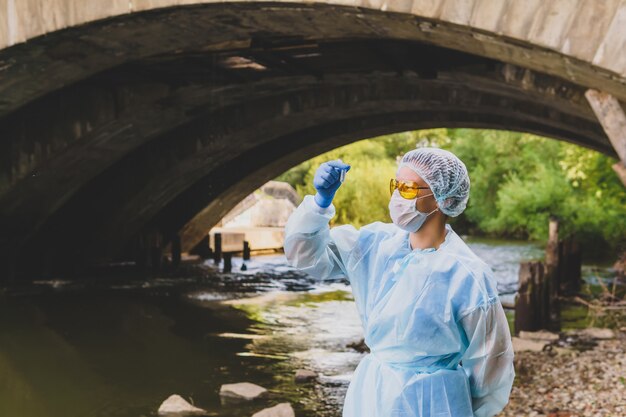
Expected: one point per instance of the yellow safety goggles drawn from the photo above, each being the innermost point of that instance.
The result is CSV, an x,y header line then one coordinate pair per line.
x,y
407,189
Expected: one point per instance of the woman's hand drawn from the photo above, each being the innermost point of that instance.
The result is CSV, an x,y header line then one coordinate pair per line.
x,y
327,181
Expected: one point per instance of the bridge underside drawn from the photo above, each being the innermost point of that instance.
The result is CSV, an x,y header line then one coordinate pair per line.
x,y
140,125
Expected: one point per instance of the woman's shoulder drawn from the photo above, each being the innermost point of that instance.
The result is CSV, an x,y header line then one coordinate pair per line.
x,y
472,280
461,255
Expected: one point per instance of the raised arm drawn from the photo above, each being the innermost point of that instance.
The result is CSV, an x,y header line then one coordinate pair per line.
x,y
488,360
312,246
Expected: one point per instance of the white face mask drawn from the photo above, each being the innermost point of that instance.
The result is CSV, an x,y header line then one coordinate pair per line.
x,y
405,215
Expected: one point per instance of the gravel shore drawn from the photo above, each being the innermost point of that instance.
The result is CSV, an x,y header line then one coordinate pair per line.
x,y
573,377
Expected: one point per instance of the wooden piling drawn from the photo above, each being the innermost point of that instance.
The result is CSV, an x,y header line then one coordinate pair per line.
x,y
532,307
7,263
524,311
175,248
141,252
552,248
570,277
217,251
203,248
552,273
246,250
156,251
540,283
563,262
228,264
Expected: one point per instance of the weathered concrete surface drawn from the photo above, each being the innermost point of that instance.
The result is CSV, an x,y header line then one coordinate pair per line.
x,y
161,172
198,169
613,119
588,30
533,34
159,122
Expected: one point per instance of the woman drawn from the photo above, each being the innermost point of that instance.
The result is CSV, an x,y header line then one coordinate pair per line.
x,y
439,339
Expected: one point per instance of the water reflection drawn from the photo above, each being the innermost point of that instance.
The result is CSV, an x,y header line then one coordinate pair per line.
x,y
118,345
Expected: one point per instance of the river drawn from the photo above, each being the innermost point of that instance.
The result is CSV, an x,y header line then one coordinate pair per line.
x,y
115,344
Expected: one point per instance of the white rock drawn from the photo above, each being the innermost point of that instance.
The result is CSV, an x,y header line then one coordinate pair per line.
x,y
597,333
563,351
242,390
175,404
279,410
303,375
523,344
540,335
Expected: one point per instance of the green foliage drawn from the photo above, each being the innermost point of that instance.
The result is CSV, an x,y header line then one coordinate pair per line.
x,y
398,144
364,195
517,181
524,204
296,175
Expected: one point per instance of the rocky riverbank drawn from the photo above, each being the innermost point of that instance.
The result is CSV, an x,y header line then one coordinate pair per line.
x,y
580,374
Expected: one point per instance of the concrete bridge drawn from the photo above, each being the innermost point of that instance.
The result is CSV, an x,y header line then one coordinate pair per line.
x,y
129,124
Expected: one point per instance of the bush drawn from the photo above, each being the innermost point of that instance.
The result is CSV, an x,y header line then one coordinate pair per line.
x,y
517,181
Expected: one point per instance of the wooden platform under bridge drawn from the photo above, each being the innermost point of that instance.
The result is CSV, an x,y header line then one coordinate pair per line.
x,y
261,239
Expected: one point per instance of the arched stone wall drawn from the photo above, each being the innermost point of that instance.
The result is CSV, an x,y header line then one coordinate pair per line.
x,y
141,115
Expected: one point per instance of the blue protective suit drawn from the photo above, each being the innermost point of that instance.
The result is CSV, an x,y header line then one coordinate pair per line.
x,y
423,311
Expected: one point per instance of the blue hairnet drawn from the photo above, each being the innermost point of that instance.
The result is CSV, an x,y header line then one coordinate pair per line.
x,y
445,174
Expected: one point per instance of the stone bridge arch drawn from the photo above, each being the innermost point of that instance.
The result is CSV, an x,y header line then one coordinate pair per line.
x,y
127,116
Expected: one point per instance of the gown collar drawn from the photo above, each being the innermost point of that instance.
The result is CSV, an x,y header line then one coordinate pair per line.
x,y
446,242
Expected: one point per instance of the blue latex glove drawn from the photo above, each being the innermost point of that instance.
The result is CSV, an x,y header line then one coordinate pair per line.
x,y
326,181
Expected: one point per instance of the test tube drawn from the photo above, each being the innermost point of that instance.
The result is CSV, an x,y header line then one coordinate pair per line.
x,y
342,174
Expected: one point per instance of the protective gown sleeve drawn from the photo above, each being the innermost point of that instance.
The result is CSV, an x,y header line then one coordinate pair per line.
x,y
488,360
312,246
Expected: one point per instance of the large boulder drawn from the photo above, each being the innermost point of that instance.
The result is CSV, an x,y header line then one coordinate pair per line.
x,y
540,335
280,410
304,375
520,344
597,333
177,405
242,391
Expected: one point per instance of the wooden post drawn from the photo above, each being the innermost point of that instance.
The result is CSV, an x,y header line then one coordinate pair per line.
x,y
217,251
553,258
176,255
613,120
156,251
228,264
541,296
570,278
524,311
141,251
553,271
7,262
246,250
552,253
532,303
